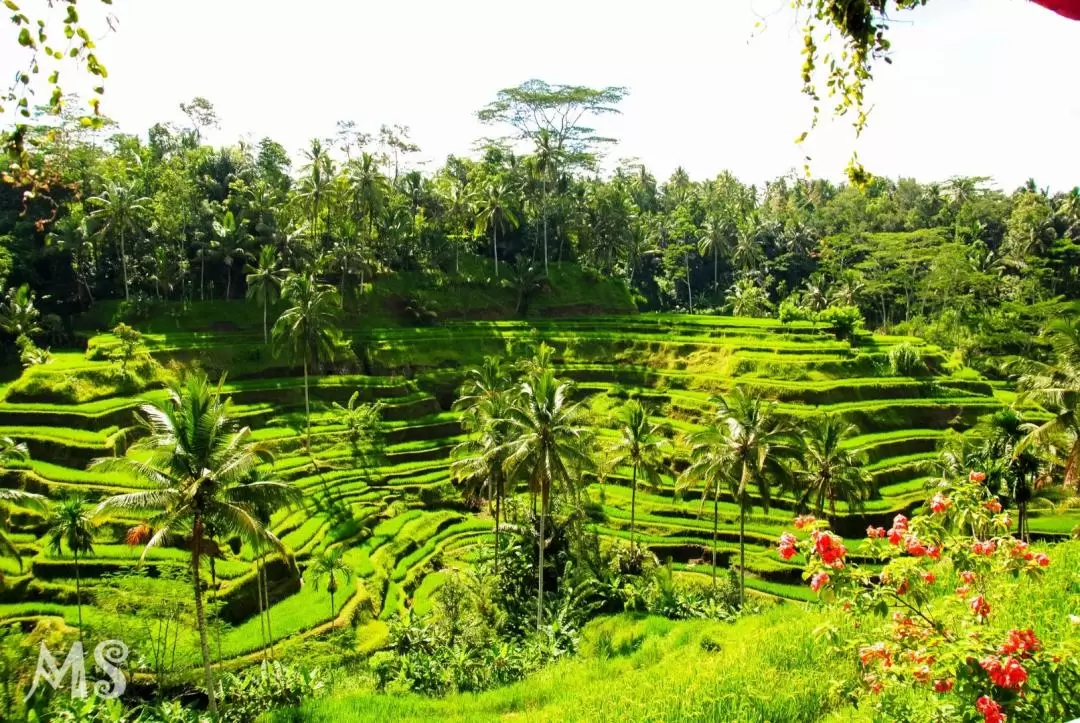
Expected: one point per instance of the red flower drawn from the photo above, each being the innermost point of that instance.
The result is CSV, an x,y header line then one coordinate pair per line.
x,y
914,547
944,685
922,673
940,503
873,532
977,477
900,523
933,552
1007,673
803,520
819,581
968,576
1042,559
963,590
829,547
979,607
1019,549
928,578
991,711
994,506
984,547
787,546
877,651
1022,642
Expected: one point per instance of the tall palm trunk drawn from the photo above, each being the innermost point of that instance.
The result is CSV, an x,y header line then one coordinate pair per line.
x,y
742,556
540,570
78,592
269,620
633,504
266,333
498,509
495,246
123,262
332,587
259,594
200,615
307,405
545,228
689,291
715,524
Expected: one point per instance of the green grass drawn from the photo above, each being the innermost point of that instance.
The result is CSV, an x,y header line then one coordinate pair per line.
x,y
763,667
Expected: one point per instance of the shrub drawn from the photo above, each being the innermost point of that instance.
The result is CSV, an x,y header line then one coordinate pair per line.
x,y
791,311
30,354
846,321
943,651
246,696
905,360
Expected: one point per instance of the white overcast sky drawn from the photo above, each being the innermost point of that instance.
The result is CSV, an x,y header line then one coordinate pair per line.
x,y
978,87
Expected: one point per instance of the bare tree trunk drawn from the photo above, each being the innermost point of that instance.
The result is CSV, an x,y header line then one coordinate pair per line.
x,y
715,523
633,504
545,228
78,592
200,616
307,405
540,570
123,262
495,246
742,556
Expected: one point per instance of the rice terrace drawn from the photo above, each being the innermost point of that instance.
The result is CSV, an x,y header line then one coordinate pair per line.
x,y
347,432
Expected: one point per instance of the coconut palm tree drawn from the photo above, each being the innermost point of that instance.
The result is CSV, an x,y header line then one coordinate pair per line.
x,y
494,211
640,446
370,189
715,232
305,329
830,471
119,212
233,234
1055,386
549,446
264,282
748,447
480,461
18,314
482,384
12,452
71,524
708,469
200,469
329,564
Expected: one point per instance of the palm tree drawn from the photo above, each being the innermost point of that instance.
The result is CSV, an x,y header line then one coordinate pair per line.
x,y
362,419
830,471
18,314
264,282
708,468
316,175
11,452
480,461
550,446
547,160
233,236
1055,386
370,188
494,211
640,446
200,470
747,298
746,446
714,240
304,329
329,564
72,525
119,211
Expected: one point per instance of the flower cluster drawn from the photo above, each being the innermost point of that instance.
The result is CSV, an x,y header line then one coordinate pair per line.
x,y
932,640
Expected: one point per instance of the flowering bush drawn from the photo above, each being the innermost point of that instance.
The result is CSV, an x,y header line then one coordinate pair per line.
x,y
933,580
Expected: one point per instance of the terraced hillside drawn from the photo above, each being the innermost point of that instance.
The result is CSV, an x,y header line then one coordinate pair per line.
x,y
395,511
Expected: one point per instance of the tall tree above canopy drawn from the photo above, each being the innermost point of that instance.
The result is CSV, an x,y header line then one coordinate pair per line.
x,y
559,110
